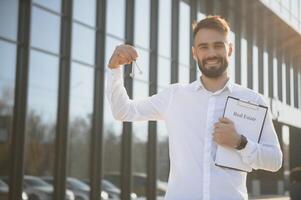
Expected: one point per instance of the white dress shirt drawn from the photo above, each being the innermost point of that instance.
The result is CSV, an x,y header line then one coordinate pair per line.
x,y
189,112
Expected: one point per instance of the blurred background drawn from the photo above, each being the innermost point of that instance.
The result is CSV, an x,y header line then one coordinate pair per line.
x,y
58,138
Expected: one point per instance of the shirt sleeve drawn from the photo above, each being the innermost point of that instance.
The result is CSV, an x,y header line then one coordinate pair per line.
x,y
266,154
126,109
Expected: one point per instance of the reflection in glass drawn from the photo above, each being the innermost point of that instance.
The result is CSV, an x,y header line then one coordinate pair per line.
x,y
116,13
164,35
184,34
255,68
7,84
142,21
80,119
41,117
266,73
275,77
244,62
53,4
283,81
83,44
84,11
162,158
9,18
231,66
45,30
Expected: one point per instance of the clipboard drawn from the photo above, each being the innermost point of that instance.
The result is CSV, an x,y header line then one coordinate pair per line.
x,y
248,119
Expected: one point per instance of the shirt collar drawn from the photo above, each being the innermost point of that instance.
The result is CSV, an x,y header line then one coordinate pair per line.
x,y
198,85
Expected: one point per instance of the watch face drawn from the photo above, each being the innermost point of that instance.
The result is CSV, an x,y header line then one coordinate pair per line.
x,y
243,142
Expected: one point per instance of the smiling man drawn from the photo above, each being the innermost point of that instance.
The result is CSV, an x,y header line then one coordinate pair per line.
x,y
193,117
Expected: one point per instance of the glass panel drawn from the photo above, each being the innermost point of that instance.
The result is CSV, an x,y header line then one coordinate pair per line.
x,y
115,17
283,82
142,23
53,4
244,62
162,159
184,34
266,73
292,85
41,122
231,67
275,77
164,44
255,68
183,74
164,71
45,30
84,11
139,148
9,18
299,88
83,44
143,63
202,11
80,124
7,85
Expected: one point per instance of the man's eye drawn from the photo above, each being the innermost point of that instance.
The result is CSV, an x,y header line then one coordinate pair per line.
x,y
202,47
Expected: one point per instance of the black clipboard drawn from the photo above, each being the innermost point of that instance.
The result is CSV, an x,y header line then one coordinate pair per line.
x,y
249,119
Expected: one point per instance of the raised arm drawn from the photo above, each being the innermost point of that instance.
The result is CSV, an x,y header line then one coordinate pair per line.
x,y
123,108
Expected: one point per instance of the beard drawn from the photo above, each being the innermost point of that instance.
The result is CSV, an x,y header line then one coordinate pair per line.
x,y
213,71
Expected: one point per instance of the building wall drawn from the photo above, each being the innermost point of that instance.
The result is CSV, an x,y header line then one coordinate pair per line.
x,y
128,153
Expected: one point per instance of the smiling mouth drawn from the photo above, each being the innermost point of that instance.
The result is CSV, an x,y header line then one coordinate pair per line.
x,y
212,62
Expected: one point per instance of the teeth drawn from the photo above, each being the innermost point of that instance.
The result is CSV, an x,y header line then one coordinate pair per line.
x,y
212,62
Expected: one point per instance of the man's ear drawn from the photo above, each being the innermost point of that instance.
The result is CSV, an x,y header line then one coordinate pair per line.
x,y
193,53
231,49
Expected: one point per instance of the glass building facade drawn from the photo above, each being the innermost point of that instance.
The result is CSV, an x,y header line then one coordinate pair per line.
x,y
56,126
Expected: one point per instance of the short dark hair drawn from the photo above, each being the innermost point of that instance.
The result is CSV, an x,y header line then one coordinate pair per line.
x,y
214,22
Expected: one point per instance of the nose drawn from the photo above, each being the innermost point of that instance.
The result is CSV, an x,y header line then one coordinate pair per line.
x,y
211,53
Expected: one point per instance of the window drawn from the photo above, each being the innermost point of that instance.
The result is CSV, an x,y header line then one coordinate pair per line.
x,y
9,19
85,11
115,18
142,23
7,86
53,4
164,35
45,30
80,121
41,115
83,44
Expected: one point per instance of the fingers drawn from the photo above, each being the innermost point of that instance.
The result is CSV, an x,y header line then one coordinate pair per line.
x,y
225,120
123,54
126,53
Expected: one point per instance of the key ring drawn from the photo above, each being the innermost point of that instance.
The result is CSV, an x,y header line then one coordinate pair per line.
x,y
132,74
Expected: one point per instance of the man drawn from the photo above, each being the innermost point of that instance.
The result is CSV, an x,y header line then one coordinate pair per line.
x,y
193,117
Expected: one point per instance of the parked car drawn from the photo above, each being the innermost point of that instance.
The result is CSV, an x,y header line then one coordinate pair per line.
x,y
295,185
4,190
139,182
80,189
37,189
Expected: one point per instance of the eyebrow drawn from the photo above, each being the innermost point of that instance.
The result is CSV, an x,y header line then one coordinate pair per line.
x,y
205,44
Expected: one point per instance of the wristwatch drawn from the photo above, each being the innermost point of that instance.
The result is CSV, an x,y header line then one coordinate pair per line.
x,y
243,142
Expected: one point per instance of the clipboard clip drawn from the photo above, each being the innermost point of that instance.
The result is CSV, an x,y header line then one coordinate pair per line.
x,y
248,104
